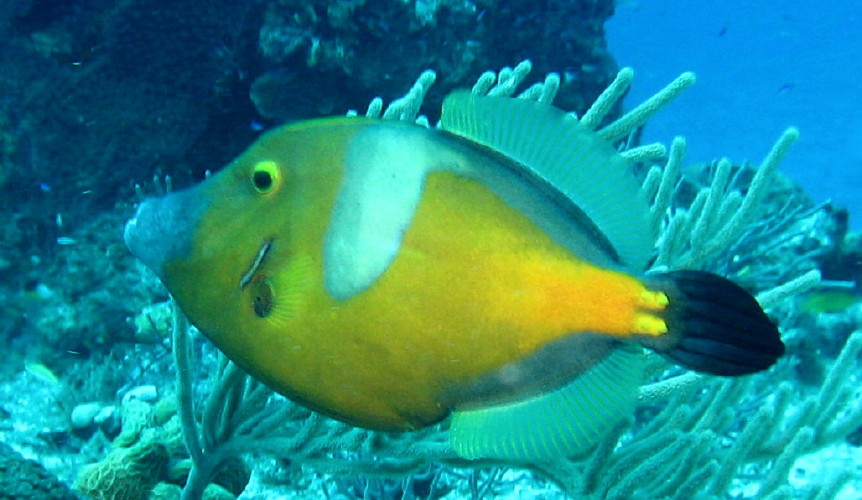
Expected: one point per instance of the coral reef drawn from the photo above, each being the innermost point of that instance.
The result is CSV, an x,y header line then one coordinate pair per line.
x,y
104,92
147,458
126,474
77,301
28,479
99,95
345,46
139,456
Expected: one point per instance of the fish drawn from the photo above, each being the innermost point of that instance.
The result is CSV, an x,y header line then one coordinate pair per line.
x,y
490,271
830,301
42,372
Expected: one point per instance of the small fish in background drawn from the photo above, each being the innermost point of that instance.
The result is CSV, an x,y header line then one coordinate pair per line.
x,y
41,372
786,88
390,275
829,301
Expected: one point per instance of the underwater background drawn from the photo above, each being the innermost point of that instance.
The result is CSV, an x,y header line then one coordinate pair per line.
x,y
102,102
761,66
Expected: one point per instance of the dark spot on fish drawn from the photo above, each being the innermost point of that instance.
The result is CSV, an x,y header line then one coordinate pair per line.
x,y
263,298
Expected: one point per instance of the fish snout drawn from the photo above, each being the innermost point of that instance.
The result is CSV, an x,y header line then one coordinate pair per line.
x,y
163,228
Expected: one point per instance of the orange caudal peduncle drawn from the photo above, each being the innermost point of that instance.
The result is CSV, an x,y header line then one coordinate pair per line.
x,y
569,296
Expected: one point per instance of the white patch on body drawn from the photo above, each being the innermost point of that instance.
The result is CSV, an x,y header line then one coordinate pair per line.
x,y
385,172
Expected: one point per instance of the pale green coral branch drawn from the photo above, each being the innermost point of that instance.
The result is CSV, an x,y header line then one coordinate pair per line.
x,y
808,281
645,153
594,116
637,117
718,187
741,449
185,391
508,79
717,217
543,92
670,176
664,389
777,476
759,185
407,107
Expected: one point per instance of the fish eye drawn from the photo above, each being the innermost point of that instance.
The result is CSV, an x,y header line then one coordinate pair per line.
x,y
265,177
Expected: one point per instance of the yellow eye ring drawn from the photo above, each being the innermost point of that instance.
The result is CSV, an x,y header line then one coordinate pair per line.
x,y
266,177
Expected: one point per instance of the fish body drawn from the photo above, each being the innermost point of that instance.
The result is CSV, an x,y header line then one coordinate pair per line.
x,y
386,274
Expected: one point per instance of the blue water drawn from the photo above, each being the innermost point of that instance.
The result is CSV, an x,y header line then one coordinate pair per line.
x,y
761,66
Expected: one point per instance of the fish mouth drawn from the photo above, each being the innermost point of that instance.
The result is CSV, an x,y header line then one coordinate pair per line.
x,y
256,264
163,229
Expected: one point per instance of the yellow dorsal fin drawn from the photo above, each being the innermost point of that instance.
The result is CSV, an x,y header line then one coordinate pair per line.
x,y
572,159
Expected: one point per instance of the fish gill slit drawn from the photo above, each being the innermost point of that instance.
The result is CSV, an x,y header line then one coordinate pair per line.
x,y
256,264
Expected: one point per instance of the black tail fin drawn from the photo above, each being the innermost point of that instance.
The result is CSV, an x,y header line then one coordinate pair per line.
x,y
714,326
